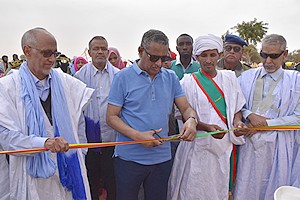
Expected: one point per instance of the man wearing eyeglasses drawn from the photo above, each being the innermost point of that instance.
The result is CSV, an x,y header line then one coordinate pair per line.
x,y
140,102
42,107
233,51
232,54
99,75
272,99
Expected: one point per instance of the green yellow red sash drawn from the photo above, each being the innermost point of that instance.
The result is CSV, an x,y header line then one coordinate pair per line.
x,y
213,93
215,96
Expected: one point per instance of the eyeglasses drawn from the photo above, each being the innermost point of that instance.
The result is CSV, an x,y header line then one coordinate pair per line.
x,y
154,58
272,55
236,49
47,53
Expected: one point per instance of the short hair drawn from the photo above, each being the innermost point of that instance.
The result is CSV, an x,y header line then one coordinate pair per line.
x,y
274,39
29,37
154,36
97,38
184,35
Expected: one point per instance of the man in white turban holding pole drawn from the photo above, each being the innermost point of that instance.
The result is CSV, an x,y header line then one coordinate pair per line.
x,y
201,168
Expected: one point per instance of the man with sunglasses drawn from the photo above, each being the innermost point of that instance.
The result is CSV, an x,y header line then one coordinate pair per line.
x,y
272,99
233,51
41,108
232,55
140,102
99,75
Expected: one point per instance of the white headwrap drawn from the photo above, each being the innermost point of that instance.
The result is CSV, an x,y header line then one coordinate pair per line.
x,y
207,42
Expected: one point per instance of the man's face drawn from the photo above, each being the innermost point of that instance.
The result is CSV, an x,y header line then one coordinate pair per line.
x,y
185,46
208,61
154,50
42,55
232,53
272,64
98,52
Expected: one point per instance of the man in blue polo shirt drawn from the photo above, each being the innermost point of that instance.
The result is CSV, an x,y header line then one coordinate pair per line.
x,y
140,102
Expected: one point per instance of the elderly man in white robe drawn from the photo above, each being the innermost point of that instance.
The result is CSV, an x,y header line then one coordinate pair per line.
x,y
272,95
42,107
201,168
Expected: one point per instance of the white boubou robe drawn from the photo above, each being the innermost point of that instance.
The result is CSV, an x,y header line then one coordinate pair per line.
x,y
18,184
201,168
266,159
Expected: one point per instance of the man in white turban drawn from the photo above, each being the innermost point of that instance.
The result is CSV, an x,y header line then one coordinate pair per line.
x,y
201,168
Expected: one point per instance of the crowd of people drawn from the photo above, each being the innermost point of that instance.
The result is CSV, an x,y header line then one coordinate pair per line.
x,y
69,66
50,101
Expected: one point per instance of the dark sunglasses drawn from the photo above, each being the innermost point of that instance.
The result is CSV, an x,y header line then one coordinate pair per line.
x,y
154,58
47,53
235,48
272,55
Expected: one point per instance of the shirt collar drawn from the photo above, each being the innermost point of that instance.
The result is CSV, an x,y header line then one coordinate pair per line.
x,y
275,75
178,62
44,83
95,70
138,70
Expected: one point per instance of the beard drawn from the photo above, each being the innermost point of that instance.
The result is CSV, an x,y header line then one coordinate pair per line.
x,y
270,68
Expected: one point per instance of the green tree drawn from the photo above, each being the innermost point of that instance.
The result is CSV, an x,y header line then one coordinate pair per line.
x,y
223,36
294,56
252,31
251,55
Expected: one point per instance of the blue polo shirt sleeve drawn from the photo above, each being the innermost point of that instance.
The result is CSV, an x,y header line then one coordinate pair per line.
x,y
116,95
178,91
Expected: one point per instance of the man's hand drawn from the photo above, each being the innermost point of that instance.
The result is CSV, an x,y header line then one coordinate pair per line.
x,y
242,129
250,132
57,144
149,135
214,128
188,131
257,120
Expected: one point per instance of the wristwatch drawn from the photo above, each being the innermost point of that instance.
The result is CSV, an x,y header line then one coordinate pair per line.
x,y
194,119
